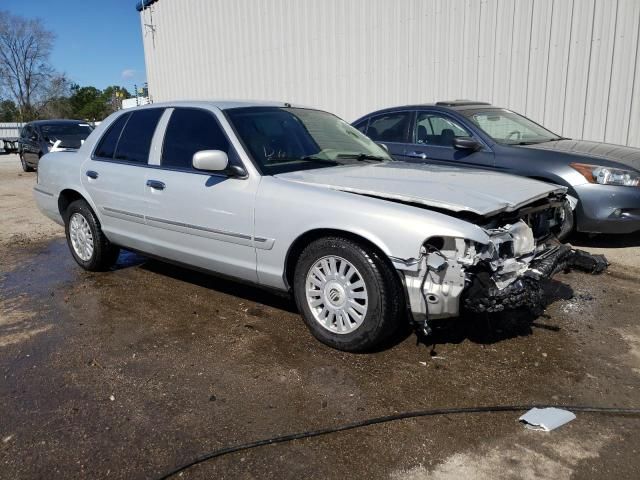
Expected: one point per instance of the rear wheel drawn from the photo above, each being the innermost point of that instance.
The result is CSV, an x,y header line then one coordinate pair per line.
x,y
87,243
349,297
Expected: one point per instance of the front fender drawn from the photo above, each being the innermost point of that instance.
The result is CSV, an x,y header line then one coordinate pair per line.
x,y
286,210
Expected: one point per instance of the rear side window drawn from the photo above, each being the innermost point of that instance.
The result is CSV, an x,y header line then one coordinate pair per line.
x,y
189,131
135,141
391,127
362,126
107,146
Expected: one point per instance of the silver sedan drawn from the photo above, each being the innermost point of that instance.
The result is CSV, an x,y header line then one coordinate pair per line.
x,y
295,199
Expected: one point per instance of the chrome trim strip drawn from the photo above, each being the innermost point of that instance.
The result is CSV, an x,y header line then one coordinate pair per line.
x,y
122,212
44,192
202,229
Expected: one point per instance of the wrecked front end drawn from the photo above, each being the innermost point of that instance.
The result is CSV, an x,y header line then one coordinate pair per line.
x,y
506,272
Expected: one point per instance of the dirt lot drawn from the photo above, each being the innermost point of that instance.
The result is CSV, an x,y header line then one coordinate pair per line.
x,y
129,373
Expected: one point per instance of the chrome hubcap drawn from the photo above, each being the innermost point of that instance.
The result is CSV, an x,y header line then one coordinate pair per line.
x,y
81,236
336,294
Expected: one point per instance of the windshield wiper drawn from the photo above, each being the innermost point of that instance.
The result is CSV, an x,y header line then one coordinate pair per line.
x,y
312,158
532,142
361,156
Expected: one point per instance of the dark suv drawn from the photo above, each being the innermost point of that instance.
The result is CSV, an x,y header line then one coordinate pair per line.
x,y
44,136
604,178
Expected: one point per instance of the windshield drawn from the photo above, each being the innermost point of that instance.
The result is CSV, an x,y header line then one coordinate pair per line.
x,y
60,131
511,129
288,139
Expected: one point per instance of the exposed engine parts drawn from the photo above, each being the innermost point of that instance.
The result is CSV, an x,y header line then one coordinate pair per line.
x,y
484,296
506,273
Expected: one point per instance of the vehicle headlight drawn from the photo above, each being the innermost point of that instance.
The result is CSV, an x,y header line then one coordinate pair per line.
x,y
607,175
523,239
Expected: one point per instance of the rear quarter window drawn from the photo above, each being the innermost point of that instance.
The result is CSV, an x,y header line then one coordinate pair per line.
x,y
107,145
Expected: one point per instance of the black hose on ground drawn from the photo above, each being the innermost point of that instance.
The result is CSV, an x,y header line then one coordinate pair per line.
x,y
390,418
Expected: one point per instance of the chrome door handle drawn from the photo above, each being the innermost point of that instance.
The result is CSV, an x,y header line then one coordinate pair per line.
x,y
92,174
155,184
421,155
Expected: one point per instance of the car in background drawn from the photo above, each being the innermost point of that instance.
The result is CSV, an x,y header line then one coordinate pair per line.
x,y
296,199
604,178
43,136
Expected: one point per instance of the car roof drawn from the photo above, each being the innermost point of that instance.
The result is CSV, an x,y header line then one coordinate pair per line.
x,y
466,106
221,104
56,121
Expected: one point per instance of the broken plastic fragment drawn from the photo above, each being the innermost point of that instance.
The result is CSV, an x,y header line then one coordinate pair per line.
x,y
546,419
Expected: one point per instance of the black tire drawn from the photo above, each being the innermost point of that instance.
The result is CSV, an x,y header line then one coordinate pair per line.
x,y
568,224
104,254
25,167
385,309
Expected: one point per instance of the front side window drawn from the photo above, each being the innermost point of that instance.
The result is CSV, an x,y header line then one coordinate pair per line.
x,y
135,140
390,127
189,131
439,130
289,139
510,128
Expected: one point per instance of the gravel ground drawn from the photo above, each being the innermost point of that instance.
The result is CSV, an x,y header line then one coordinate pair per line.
x,y
129,373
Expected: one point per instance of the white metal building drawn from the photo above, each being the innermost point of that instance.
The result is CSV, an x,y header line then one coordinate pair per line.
x,y
573,65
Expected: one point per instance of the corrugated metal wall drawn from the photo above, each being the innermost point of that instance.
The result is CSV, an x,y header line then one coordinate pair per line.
x,y
573,65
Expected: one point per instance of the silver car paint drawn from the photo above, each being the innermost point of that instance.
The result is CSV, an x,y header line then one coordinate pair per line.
x,y
478,191
246,227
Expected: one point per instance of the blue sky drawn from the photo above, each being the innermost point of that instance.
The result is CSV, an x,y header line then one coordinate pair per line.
x,y
98,42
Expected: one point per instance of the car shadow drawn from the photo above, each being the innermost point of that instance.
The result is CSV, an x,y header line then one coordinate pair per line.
x,y
220,284
478,328
605,241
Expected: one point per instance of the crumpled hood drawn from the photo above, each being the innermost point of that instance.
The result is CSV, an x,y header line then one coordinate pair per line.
x,y
594,150
455,189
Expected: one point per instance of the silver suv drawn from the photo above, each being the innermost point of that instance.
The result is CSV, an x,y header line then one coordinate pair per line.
x,y
295,199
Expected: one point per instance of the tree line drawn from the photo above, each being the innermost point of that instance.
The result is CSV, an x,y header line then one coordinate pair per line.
x,y
31,88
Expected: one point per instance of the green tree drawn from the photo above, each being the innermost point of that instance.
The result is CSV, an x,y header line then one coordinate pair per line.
x,y
87,103
8,111
114,95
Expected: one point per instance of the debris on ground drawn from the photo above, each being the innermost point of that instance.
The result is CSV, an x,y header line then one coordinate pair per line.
x,y
546,419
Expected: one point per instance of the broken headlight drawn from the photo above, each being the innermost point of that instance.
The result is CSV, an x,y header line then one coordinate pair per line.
x,y
607,175
523,240
512,241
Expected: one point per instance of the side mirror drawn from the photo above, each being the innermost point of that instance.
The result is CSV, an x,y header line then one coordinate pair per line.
x,y
466,143
210,160
383,146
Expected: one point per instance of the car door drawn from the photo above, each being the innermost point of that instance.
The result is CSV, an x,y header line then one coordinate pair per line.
x,y
200,218
432,138
29,145
392,130
115,176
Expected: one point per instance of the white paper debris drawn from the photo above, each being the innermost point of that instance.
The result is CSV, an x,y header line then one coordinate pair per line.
x,y
546,419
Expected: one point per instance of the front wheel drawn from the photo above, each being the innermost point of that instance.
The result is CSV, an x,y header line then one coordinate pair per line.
x,y
23,162
349,297
87,243
567,217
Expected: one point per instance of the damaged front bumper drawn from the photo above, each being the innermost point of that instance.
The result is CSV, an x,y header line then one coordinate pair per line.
x,y
506,273
484,296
